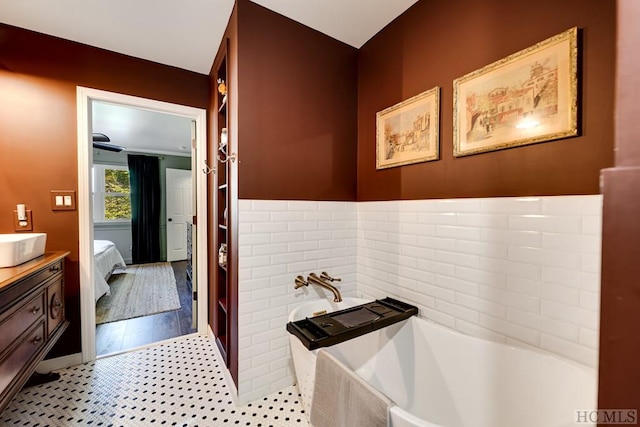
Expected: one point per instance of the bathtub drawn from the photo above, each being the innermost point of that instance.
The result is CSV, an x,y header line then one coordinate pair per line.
x,y
304,361
439,377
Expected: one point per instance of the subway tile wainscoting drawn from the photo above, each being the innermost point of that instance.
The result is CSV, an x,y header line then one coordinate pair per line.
x,y
279,240
514,270
522,271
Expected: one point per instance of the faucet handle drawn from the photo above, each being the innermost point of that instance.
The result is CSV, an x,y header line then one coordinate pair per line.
x,y
326,276
300,282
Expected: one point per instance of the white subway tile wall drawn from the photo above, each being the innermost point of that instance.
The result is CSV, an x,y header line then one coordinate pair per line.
x,y
514,270
522,271
279,240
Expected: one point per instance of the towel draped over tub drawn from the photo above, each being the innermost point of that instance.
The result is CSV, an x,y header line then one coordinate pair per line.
x,y
342,399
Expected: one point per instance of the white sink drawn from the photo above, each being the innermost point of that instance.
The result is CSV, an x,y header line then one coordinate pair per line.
x,y
18,248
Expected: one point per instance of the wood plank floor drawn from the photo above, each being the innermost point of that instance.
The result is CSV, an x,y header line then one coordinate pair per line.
x,y
125,334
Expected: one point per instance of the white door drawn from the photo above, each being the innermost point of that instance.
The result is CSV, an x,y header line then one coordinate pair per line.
x,y
179,211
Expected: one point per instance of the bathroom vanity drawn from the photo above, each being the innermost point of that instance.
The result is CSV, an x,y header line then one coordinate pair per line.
x,y
32,318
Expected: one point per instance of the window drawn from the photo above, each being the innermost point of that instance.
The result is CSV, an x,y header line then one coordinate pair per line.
x,y
111,193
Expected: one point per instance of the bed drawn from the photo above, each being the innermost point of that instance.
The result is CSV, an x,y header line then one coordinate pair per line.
x,y
106,258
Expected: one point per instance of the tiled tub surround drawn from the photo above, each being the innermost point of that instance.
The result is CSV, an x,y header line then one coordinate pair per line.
x,y
279,240
522,271
513,270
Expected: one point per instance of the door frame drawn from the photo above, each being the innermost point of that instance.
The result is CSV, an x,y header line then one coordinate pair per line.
x,y
85,96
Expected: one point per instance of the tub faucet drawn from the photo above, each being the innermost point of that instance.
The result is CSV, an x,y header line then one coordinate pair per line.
x,y
324,275
321,281
299,282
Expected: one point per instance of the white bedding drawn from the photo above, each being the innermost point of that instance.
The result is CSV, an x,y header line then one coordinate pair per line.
x,y
106,257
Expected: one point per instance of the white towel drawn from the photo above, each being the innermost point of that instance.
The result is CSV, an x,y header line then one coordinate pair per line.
x,y
342,399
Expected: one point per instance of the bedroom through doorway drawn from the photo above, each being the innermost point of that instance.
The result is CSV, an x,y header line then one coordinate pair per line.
x,y
143,205
145,194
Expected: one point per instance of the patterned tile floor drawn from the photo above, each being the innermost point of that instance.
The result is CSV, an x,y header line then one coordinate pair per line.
x,y
175,384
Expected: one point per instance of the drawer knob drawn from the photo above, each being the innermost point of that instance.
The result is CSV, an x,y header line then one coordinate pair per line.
x,y
36,310
54,269
37,340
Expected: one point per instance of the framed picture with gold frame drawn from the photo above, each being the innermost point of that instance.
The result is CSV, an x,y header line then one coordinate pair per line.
x,y
408,132
525,98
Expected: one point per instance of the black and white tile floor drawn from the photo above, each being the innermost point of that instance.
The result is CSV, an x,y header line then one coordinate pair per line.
x,y
175,384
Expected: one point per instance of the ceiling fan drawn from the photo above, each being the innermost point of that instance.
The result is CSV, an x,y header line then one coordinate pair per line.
x,y
101,141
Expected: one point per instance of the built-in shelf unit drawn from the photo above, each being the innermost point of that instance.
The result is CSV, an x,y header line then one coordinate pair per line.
x,y
225,282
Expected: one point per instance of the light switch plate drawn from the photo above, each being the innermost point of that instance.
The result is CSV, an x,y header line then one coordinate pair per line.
x,y
63,200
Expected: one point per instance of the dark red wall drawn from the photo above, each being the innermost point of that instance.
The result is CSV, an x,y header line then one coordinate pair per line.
x,y
434,43
620,295
298,110
38,127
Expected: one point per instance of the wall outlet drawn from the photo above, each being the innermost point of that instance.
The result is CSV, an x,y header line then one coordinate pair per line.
x,y
26,225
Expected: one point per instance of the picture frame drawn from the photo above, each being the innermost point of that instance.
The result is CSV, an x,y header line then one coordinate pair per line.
x,y
528,97
409,132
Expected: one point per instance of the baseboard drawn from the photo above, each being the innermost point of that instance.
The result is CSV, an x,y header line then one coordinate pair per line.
x,y
58,363
227,374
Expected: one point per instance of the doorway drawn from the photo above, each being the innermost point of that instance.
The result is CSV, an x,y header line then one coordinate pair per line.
x,y
85,99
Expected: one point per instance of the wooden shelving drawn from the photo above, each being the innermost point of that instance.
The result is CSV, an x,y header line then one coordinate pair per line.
x,y
225,292
221,328
220,339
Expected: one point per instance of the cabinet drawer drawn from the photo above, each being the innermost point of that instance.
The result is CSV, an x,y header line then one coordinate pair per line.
x,y
55,299
12,365
47,273
17,320
27,285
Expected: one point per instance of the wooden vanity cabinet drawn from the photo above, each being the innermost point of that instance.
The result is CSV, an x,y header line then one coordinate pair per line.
x,y
55,305
32,318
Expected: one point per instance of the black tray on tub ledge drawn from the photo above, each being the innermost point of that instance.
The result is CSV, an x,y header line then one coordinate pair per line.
x,y
339,326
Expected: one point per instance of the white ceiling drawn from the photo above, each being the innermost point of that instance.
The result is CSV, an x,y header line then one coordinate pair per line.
x,y
182,34
141,130
353,22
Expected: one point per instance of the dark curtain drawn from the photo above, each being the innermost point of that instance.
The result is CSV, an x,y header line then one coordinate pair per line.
x,y
144,178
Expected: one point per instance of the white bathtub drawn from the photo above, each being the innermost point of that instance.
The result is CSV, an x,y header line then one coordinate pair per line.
x,y
304,361
438,377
